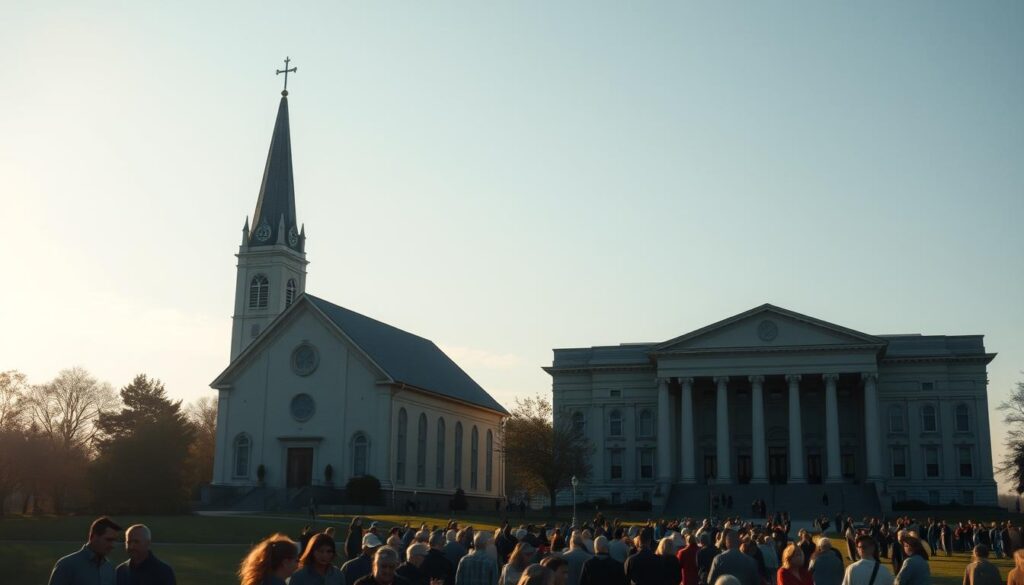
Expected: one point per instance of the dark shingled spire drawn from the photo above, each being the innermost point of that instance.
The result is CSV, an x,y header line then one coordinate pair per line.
x,y
276,204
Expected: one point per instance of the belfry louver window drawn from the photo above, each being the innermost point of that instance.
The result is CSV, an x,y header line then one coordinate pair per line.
x,y
259,292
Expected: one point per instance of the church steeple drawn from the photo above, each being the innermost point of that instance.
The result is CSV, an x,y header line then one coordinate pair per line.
x,y
271,270
275,220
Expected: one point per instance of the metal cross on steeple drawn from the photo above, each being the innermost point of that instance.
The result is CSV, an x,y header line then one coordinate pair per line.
x,y
286,70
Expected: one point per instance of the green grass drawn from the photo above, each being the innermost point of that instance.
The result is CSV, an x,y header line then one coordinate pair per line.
x,y
208,549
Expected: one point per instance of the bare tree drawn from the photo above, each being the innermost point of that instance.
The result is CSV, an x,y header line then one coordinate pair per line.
x,y
203,414
539,454
1012,465
66,408
13,386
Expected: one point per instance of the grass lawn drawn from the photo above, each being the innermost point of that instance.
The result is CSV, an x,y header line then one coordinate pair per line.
x,y
207,549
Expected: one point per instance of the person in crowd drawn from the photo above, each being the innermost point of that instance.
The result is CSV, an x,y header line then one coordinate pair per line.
x,y
897,555
357,568
270,562
769,554
453,549
557,540
851,540
644,567
559,566
826,566
727,580
316,565
89,566
915,570
504,543
705,556
412,569
672,574
521,557
733,562
354,539
617,547
436,565
602,569
142,566
537,575
330,531
806,546
687,557
981,571
792,571
868,570
1016,576
384,567
576,556
395,542
477,567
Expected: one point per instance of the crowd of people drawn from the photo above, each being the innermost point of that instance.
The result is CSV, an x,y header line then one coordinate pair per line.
x,y
728,551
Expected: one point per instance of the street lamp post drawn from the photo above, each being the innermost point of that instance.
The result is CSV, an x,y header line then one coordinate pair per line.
x,y
575,483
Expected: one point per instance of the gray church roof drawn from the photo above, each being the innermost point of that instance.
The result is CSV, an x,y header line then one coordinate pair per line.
x,y
407,358
275,208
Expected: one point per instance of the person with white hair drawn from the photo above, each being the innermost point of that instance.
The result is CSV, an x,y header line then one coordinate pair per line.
x,y
411,569
142,565
826,564
453,549
602,569
436,565
576,556
477,567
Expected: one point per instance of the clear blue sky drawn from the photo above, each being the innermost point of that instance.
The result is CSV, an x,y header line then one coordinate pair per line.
x,y
506,178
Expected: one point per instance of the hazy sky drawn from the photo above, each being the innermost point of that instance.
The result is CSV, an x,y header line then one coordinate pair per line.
x,y
506,178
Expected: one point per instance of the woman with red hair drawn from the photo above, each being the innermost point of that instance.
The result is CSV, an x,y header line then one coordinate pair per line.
x,y
270,562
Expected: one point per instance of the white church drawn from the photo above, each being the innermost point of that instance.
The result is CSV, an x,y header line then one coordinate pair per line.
x,y
316,393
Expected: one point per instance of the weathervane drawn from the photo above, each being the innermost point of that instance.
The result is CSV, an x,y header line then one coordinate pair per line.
x,y
286,70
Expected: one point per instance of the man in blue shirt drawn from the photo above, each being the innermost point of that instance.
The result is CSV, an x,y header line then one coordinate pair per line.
x,y
142,566
89,566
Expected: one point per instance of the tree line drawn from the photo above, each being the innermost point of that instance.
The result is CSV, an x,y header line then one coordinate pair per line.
x,y
74,444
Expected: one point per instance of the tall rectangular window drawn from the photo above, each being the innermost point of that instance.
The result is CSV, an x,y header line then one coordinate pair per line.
x,y
615,464
646,463
966,461
931,462
899,462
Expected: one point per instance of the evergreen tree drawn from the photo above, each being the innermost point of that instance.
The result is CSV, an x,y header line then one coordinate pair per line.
x,y
143,450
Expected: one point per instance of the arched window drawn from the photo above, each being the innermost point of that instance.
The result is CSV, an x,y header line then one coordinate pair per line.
x,y
403,428
421,452
963,418
646,423
929,424
579,424
289,292
259,292
895,419
360,454
489,465
458,455
440,452
615,423
243,447
474,458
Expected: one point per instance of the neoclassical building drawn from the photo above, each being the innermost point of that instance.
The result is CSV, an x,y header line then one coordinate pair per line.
x,y
773,397
316,393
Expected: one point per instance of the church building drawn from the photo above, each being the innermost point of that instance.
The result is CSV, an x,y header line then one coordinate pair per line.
x,y
316,393
770,404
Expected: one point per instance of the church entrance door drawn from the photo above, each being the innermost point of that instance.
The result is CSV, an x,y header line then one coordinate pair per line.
x,y
300,467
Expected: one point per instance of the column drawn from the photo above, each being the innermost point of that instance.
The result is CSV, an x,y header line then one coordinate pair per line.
x,y
760,474
722,404
835,470
686,429
796,433
223,456
664,462
872,431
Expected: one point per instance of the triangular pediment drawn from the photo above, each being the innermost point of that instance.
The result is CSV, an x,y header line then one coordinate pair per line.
x,y
768,327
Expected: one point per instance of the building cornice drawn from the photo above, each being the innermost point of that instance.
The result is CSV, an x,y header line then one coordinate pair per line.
x,y
768,349
982,359
599,369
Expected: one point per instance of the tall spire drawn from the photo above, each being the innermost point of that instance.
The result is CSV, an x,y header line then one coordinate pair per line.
x,y
275,208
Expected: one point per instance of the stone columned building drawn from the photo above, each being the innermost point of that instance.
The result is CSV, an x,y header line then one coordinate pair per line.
x,y
780,406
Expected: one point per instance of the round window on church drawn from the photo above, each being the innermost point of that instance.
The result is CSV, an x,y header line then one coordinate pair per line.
x,y
303,407
305,359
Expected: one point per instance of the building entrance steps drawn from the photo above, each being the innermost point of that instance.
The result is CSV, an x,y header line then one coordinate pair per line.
x,y
803,502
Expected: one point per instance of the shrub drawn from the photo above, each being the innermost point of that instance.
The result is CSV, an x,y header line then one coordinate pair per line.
x,y
459,501
364,490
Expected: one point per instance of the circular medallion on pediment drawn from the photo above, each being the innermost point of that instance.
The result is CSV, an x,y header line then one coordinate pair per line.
x,y
303,407
767,330
305,359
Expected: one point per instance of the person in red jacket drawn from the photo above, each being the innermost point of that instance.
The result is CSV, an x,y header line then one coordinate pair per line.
x,y
792,571
688,560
